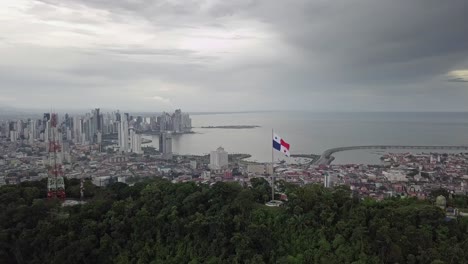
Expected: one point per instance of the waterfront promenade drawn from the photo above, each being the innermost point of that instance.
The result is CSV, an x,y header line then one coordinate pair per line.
x,y
326,158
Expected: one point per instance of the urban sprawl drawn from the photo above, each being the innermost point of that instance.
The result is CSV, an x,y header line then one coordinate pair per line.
x,y
107,148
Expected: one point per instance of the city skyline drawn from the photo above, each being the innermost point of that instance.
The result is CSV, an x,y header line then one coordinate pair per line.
x,y
88,129
207,55
245,131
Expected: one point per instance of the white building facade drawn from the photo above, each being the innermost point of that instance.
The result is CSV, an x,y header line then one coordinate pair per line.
x,y
135,142
218,159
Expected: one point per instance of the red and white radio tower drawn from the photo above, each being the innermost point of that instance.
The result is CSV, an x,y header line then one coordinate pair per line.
x,y
55,183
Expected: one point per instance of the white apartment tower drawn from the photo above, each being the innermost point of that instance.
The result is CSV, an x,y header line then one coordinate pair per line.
x,y
19,128
13,135
47,131
135,142
218,159
32,131
77,129
123,135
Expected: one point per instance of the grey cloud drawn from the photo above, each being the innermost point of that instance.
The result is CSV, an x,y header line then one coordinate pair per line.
x,y
37,81
393,40
149,9
146,51
334,50
458,80
186,57
84,32
112,70
358,41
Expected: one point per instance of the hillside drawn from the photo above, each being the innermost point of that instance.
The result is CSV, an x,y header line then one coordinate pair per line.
x,y
161,222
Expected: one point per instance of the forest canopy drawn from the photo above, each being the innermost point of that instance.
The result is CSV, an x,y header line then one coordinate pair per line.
x,y
160,222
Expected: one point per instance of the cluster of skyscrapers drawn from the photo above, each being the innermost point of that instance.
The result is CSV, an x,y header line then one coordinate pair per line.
x,y
29,130
90,128
129,140
178,122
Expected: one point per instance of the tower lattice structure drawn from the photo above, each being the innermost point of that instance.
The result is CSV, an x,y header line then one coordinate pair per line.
x,y
55,183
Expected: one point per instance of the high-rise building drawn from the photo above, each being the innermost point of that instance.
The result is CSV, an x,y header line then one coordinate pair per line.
x,y
99,137
165,122
46,117
329,180
32,131
177,121
135,142
68,121
193,164
153,123
123,135
165,145
47,131
87,129
68,134
186,123
97,119
218,159
13,135
77,129
83,138
87,126
107,124
25,133
45,127
119,134
19,128
4,130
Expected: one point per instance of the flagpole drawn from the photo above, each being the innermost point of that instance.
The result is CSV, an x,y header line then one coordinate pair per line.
x,y
272,170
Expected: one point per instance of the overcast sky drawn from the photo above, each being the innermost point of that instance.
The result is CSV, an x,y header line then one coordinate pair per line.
x,y
218,55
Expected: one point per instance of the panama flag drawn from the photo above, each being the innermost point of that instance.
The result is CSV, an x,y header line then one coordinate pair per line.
x,y
280,145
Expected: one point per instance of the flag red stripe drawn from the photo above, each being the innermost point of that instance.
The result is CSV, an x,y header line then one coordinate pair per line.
x,y
284,144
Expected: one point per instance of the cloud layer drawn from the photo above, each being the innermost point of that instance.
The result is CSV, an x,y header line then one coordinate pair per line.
x,y
213,55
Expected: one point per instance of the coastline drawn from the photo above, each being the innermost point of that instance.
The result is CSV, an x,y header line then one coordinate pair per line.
x,y
232,127
152,133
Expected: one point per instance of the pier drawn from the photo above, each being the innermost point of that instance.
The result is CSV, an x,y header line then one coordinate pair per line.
x,y
326,158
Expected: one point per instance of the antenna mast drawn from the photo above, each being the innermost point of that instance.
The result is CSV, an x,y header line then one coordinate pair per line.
x,y
55,183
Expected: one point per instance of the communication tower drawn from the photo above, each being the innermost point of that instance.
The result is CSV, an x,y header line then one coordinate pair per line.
x,y
55,182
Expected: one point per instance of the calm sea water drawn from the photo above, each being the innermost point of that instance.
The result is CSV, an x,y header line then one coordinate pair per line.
x,y
315,132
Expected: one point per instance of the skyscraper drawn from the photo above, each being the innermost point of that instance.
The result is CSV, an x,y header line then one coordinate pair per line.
x,y
165,145
47,131
77,129
135,142
123,134
165,122
19,128
153,123
186,122
97,119
218,159
99,137
177,121
13,135
32,131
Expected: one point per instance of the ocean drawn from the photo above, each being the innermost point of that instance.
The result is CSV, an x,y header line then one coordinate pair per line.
x,y
313,133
